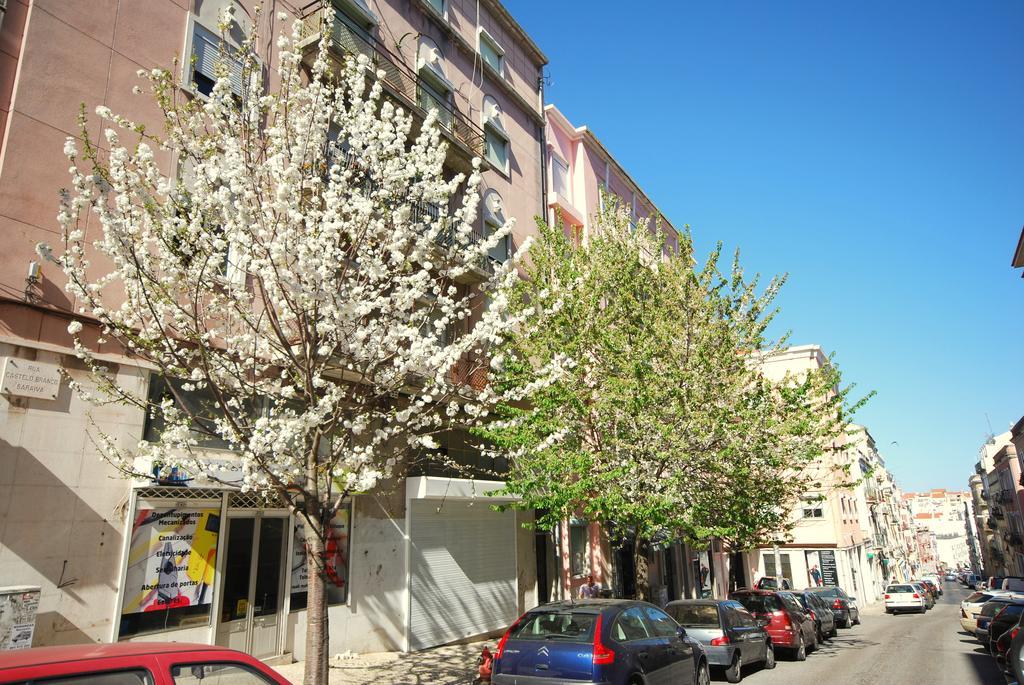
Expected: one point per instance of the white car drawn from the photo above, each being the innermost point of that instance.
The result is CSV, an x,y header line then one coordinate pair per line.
x,y
936,580
904,597
971,607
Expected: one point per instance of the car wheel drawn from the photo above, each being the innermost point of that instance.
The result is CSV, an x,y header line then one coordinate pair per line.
x,y
800,653
769,658
857,622
703,675
835,631
848,623
734,673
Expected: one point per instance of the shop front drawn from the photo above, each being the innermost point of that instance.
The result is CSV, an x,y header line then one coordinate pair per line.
x,y
220,567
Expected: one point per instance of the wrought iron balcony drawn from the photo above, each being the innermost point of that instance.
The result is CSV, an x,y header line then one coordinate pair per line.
x,y
997,511
1006,496
401,81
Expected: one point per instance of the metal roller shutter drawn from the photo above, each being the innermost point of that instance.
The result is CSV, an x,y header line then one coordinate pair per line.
x,y
463,571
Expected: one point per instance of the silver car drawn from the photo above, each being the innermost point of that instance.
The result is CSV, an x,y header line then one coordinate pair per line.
x,y
731,636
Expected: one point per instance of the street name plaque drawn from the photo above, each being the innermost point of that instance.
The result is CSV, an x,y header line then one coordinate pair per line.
x,y
25,378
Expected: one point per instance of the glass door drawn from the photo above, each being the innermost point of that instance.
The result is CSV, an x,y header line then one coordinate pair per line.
x,y
250,607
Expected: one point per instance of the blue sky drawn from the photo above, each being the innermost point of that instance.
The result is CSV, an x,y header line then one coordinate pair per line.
x,y
874,151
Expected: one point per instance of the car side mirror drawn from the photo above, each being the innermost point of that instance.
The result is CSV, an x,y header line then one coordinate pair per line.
x,y
853,599
681,632
762,622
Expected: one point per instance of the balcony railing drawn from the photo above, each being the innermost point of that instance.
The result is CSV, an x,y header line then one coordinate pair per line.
x,y
1006,496
997,511
402,80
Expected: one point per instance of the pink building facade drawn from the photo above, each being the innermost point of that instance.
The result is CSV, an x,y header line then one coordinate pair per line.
x,y
69,524
582,176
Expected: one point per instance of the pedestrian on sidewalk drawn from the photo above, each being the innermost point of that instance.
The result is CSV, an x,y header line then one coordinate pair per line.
x,y
591,589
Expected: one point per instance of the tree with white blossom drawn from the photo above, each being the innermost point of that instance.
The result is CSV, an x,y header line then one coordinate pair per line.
x,y
302,272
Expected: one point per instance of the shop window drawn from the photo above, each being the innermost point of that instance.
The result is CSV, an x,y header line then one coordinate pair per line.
x,y
769,566
338,548
578,559
171,569
199,403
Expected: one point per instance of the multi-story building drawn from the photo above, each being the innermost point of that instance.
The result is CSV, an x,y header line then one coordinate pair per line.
x,y
998,506
582,175
827,527
68,522
942,512
975,524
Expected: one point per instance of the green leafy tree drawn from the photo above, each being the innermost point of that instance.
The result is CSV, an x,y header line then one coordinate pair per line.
x,y
663,425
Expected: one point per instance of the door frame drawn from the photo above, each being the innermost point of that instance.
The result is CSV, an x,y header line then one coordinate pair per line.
x,y
257,515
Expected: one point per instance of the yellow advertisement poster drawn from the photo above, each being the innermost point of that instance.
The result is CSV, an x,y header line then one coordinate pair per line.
x,y
172,559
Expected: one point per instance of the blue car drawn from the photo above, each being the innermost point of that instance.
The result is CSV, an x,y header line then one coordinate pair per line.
x,y
605,641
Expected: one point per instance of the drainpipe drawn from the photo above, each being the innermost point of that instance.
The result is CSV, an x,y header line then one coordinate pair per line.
x,y
543,148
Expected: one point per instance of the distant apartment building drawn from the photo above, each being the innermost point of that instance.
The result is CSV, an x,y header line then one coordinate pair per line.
x,y
942,512
89,539
828,527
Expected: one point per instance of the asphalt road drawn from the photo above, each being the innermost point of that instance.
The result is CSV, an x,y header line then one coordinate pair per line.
x,y
908,649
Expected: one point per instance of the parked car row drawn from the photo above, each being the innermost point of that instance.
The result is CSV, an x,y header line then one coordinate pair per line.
x,y
619,641
994,618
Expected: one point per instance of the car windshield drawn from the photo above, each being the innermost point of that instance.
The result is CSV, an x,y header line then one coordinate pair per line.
x,y
804,600
571,626
694,614
759,604
892,589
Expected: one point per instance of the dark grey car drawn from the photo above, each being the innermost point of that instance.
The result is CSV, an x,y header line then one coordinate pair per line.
x,y
731,636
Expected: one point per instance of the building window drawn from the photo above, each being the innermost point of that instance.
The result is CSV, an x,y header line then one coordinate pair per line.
x,y
434,90
560,177
496,149
209,54
491,53
494,218
171,569
337,557
813,510
438,6
578,560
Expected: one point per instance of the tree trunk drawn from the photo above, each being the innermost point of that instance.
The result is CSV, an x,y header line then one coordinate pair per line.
x,y
643,571
317,634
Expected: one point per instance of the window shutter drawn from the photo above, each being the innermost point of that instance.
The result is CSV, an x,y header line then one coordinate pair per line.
x,y
206,48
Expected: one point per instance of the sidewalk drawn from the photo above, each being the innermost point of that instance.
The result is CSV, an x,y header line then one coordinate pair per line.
x,y
449,665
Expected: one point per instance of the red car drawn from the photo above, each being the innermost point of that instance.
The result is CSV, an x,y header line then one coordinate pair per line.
x,y
789,626
135,663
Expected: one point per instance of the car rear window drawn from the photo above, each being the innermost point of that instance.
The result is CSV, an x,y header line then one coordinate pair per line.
x,y
826,591
978,597
572,626
694,614
894,589
992,608
759,604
